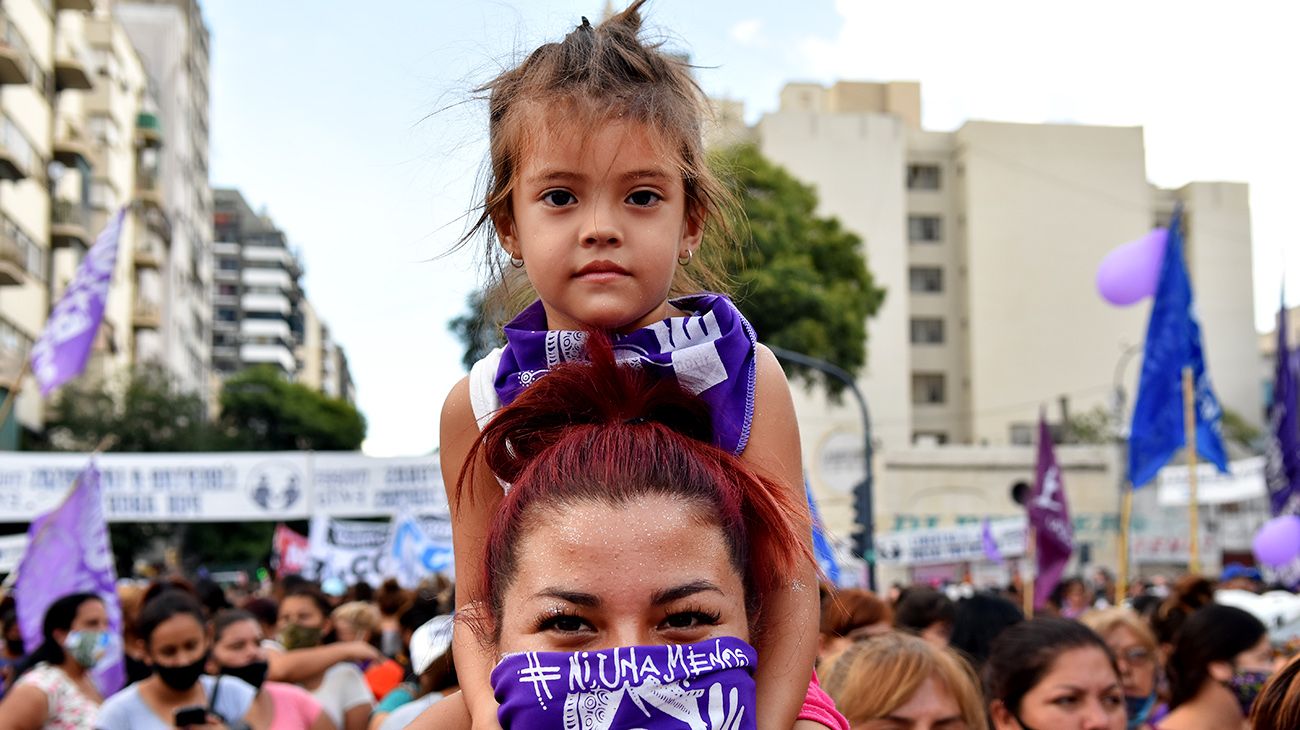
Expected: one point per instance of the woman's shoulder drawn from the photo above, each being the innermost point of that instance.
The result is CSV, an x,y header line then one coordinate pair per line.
x,y
118,710
44,676
231,696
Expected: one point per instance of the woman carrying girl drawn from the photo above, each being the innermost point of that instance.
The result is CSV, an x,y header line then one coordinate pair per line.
x,y
600,195
626,542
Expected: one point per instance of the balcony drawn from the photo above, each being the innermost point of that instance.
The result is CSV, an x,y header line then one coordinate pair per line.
x,y
84,6
13,264
148,314
148,130
148,192
14,55
15,152
69,224
72,152
72,70
148,255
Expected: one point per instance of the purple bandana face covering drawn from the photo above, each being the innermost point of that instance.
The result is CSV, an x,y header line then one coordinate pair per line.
x,y
710,352
704,686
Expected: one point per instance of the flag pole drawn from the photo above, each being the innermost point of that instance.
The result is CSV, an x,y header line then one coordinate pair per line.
x,y
1125,524
1189,428
1030,571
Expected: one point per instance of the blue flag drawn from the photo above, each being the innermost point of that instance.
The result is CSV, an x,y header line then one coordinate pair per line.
x,y
1173,343
1283,463
822,549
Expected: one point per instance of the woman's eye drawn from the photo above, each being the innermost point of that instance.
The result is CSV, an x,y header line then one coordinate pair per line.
x,y
558,198
644,198
566,624
689,620
1113,701
1065,701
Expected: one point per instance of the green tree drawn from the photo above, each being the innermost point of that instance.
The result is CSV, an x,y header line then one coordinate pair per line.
x,y
144,409
801,279
262,411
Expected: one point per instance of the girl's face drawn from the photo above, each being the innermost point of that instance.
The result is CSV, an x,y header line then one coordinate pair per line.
x,y
301,611
931,707
177,642
240,645
599,218
595,576
1137,663
1079,692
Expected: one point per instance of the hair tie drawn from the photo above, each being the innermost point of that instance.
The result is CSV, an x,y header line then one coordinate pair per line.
x,y
586,24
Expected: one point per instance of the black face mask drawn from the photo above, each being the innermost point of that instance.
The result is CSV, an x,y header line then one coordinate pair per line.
x,y
254,673
14,646
183,677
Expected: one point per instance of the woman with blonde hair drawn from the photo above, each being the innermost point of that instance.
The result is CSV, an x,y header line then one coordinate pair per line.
x,y
901,679
1138,656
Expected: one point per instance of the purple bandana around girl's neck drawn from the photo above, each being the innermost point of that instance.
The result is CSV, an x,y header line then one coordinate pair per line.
x,y
710,352
704,686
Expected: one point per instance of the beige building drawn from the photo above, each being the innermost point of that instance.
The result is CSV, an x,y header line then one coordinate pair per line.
x,y
46,172
987,241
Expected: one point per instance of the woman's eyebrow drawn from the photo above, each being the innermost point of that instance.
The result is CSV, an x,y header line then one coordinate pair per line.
x,y
676,593
590,600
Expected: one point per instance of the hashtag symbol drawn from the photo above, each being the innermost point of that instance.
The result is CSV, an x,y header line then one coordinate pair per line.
x,y
539,676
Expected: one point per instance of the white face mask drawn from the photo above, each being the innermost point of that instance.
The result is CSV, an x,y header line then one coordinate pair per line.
x,y
88,648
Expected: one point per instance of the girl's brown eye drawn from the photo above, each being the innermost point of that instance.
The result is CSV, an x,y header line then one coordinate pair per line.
x,y
559,198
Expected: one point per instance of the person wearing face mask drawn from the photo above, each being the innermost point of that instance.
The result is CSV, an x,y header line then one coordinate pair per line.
x,y
237,652
1221,659
174,643
341,688
627,568
1053,674
54,687
1134,645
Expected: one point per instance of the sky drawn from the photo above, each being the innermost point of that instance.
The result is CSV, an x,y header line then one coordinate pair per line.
x,y
357,127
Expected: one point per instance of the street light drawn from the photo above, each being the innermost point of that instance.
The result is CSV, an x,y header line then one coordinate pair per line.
x,y
865,538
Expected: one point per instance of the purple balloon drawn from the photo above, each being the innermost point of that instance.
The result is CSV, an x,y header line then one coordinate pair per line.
x,y
1278,542
1129,273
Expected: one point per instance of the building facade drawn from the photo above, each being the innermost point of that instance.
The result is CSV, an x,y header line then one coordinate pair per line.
x,y
987,241
172,42
261,315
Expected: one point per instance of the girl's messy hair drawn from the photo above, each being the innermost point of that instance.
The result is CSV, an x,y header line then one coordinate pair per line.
x,y
602,432
595,75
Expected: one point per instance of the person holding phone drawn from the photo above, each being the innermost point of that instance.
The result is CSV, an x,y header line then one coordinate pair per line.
x,y
175,644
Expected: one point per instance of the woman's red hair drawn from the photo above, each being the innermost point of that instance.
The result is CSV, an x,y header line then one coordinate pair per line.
x,y
614,433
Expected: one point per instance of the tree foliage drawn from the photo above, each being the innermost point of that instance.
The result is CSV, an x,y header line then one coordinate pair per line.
x,y
262,411
800,279
145,410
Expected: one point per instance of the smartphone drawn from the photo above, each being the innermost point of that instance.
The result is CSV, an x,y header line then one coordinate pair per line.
x,y
187,716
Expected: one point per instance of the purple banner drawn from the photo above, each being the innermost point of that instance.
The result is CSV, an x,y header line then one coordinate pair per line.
x,y
990,543
68,552
64,347
1049,515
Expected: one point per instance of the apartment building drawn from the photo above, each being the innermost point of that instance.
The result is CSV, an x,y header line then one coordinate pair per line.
x,y
45,174
261,314
987,240
173,44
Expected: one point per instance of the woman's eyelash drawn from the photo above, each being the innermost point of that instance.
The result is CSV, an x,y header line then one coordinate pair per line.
x,y
551,619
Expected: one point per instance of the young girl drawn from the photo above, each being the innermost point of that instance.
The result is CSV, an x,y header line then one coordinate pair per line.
x,y
599,193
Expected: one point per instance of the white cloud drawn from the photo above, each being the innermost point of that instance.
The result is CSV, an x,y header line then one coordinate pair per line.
x,y
749,32
1210,83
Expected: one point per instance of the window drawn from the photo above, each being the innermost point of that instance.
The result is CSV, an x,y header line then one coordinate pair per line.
x,y
1022,434
925,279
928,389
924,228
226,315
927,331
228,264
227,290
923,177
104,129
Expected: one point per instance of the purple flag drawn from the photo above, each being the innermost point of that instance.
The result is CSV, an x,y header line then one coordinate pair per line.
x,y
68,552
991,550
1049,515
1283,470
64,347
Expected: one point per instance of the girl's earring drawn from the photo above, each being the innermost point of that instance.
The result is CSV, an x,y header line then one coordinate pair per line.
x,y
517,263
683,260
